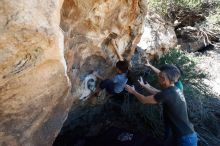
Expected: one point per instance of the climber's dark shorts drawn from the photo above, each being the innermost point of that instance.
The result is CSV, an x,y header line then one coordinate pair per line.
x,y
108,85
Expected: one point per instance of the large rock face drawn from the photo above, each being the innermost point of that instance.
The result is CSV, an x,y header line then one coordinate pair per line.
x,y
34,86
87,25
158,36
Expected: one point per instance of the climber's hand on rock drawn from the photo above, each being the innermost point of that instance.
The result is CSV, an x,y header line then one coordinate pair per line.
x,y
136,39
141,81
130,89
147,63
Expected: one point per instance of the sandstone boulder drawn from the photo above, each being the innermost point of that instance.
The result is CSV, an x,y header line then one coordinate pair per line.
x,y
87,26
34,85
158,36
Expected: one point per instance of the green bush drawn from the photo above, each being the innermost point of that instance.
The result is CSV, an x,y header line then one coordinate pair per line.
x,y
162,6
191,75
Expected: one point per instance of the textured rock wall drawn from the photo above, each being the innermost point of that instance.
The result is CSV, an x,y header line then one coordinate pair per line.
x,y
158,36
87,25
34,86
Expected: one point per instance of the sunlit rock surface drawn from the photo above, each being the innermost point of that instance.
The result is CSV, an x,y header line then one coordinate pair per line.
x,y
34,86
47,48
158,35
87,25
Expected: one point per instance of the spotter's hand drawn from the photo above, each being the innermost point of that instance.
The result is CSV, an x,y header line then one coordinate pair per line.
x,y
147,63
141,81
130,89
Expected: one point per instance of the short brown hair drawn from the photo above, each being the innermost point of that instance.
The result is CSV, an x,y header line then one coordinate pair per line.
x,y
122,65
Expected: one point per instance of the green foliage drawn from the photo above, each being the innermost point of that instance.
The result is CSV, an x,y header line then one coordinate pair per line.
x,y
186,63
159,6
163,6
191,75
188,3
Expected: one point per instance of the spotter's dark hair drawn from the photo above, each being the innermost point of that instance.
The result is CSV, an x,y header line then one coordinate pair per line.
x,y
171,71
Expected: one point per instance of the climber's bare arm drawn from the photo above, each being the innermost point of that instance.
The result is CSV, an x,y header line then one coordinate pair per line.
x,y
156,70
134,45
143,99
116,50
148,87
